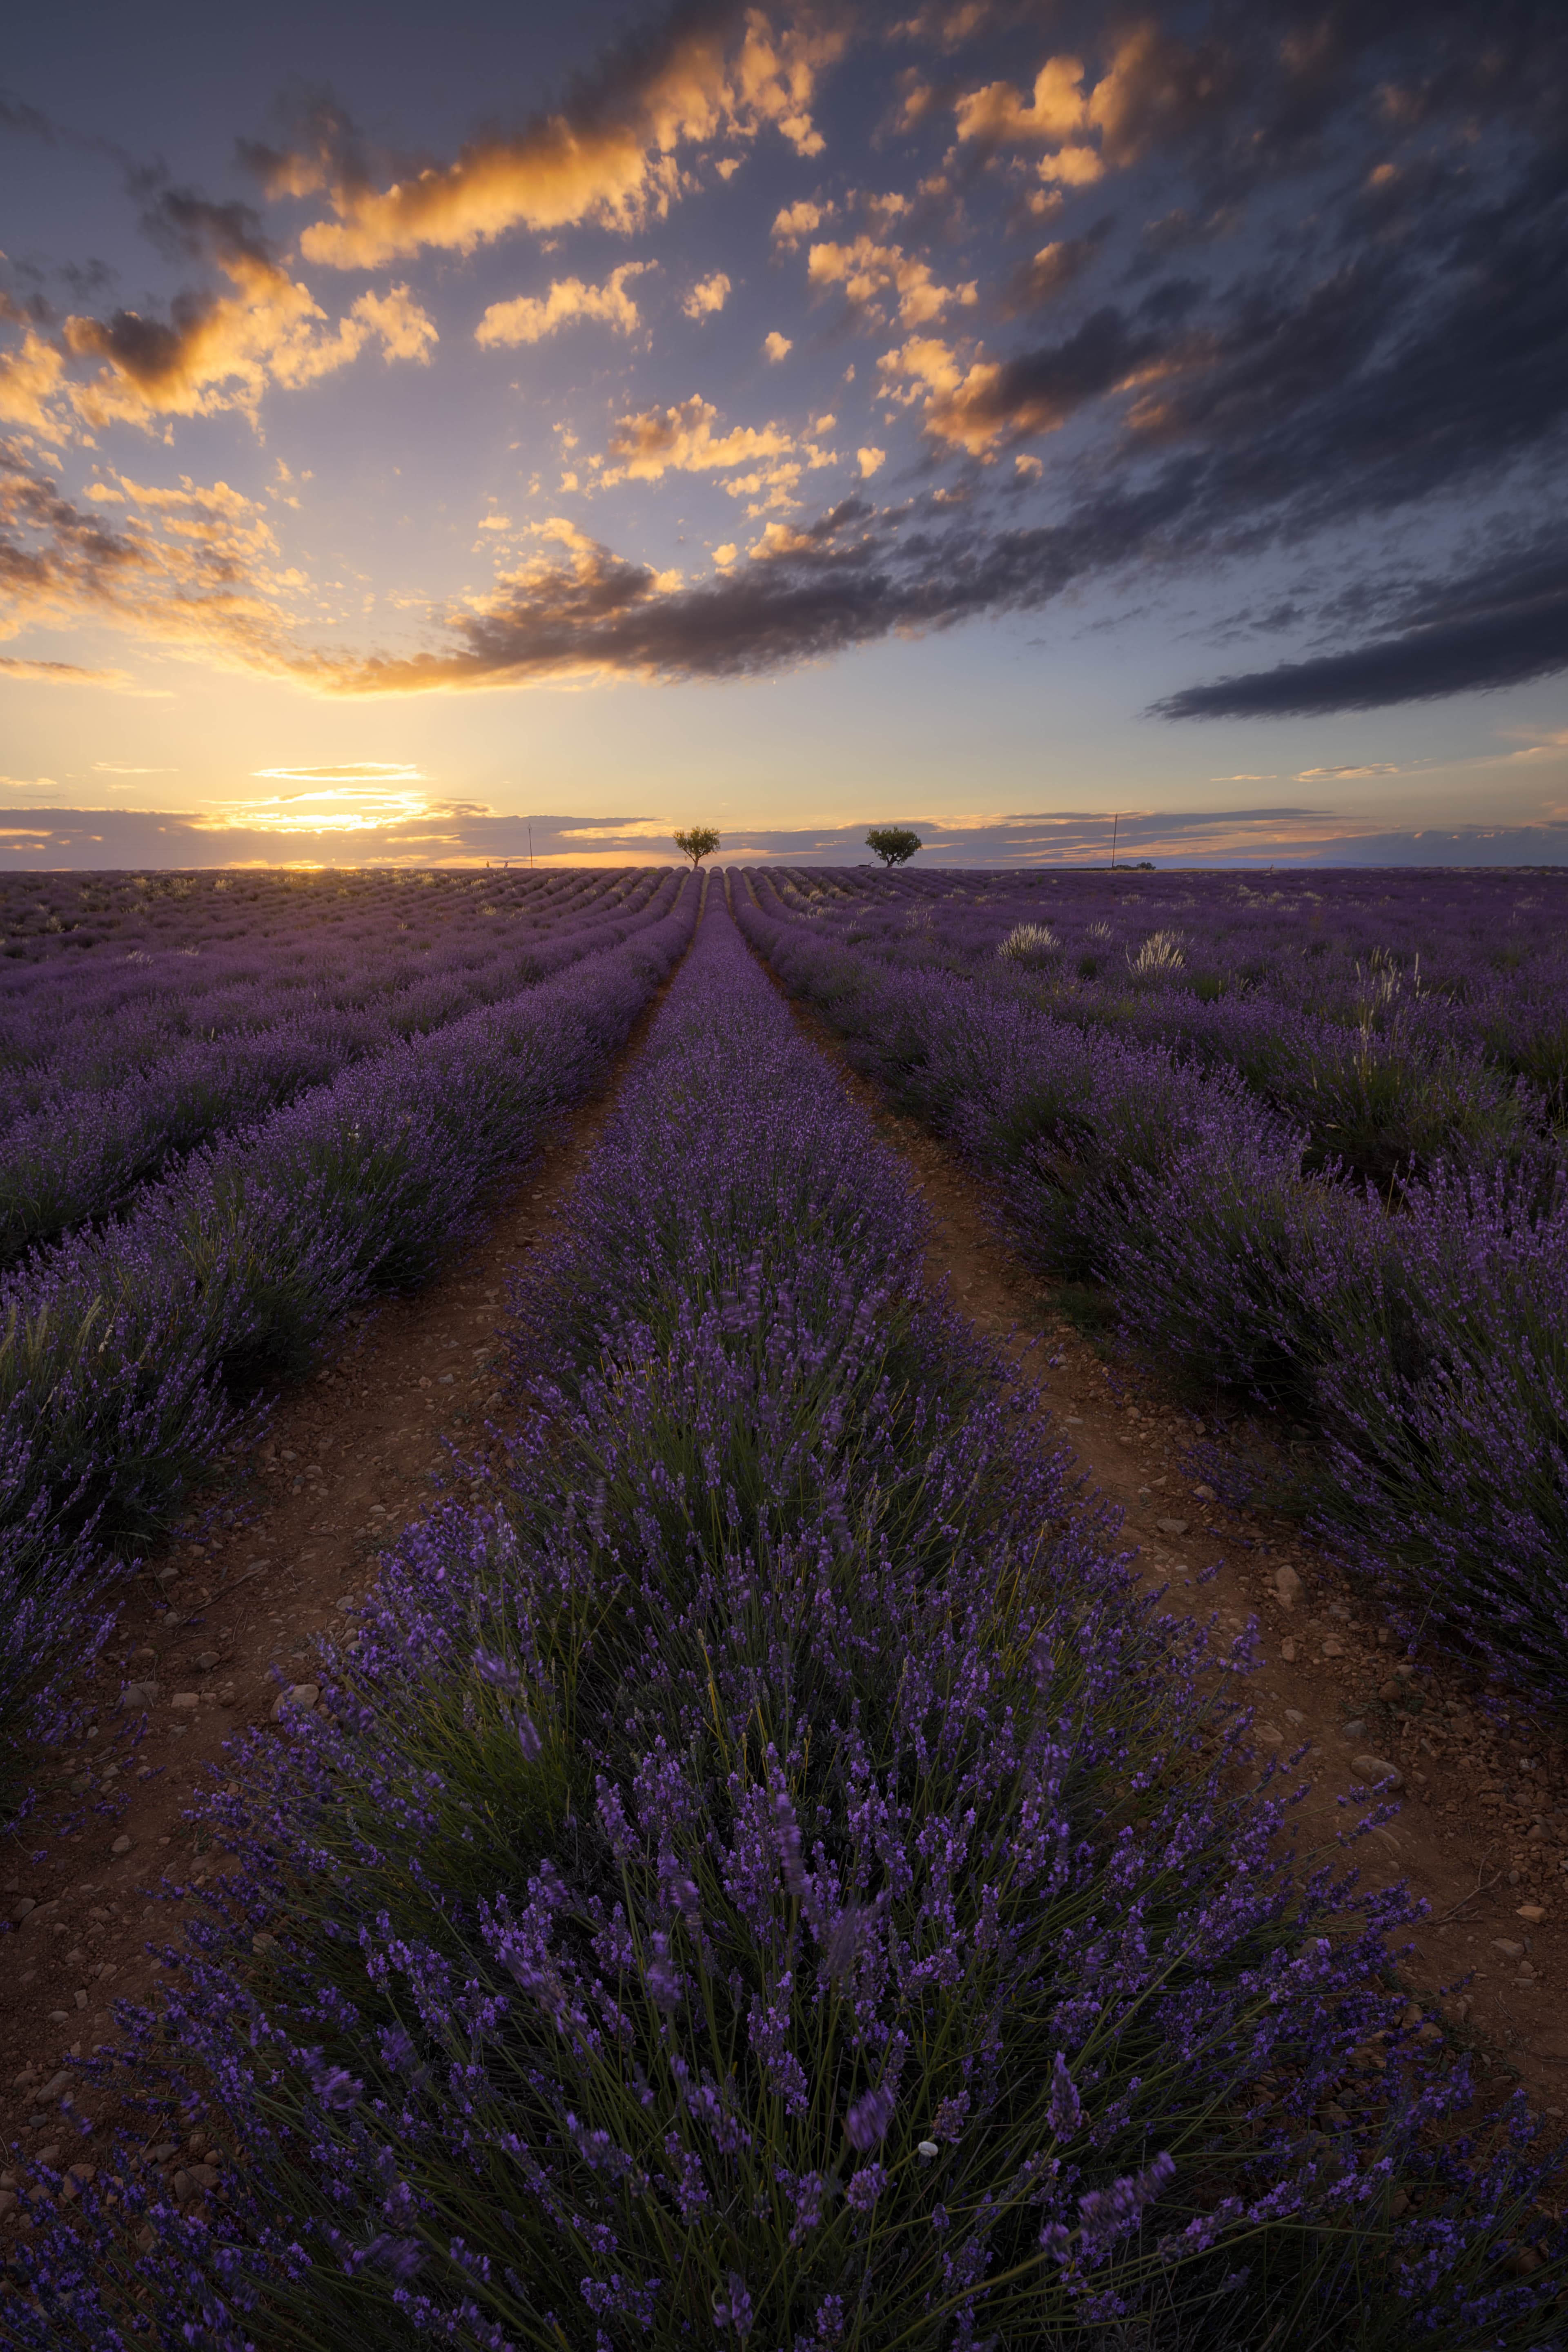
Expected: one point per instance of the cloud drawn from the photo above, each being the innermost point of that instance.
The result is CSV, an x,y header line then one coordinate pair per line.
x,y
345,771
31,381
1055,269
996,401
708,297
870,461
681,440
113,768
222,353
1328,776
422,829
1499,626
59,672
406,332
213,351
529,318
334,808
777,347
1380,345
1054,110
192,565
1055,115
610,155
794,223
864,268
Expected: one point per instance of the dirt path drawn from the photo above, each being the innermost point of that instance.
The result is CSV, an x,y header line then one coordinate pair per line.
x,y
1483,1824
348,1460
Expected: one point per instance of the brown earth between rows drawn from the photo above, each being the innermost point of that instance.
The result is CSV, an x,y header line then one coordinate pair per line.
x,y
1477,1838
347,1461
352,1457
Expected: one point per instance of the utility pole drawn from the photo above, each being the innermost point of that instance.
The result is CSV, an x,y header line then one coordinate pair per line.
x,y
1115,821
530,849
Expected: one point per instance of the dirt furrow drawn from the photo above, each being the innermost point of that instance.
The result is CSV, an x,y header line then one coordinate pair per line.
x,y
1478,1836
210,1625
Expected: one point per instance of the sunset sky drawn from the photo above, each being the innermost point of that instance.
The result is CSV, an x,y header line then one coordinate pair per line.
x,y
415,426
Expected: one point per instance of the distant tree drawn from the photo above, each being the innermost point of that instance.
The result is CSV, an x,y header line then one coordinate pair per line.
x,y
895,844
697,844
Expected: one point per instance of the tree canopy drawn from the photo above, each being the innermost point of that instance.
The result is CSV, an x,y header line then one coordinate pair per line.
x,y
895,844
698,843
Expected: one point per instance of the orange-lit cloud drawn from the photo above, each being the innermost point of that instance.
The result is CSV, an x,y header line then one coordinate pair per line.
x,y
1054,110
615,164
59,672
955,399
1154,88
1055,115
681,440
865,268
708,297
30,381
193,566
529,318
222,353
333,806
795,221
991,404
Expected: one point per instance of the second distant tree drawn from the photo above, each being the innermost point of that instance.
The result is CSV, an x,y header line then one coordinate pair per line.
x,y
895,844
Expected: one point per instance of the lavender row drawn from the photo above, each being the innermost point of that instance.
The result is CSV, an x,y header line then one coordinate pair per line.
x,y
1366,949
1429,1350
1389,1071
129,1355
51,924
773,1878
85,1152
73,1032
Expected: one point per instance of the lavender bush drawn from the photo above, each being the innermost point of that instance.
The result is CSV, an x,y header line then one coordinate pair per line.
x,y
128,1355
87,1145
773,1878
1428,1344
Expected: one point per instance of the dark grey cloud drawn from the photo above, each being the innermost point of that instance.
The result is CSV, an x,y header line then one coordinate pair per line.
x,y
190,226
1499,626
29,121
1055,268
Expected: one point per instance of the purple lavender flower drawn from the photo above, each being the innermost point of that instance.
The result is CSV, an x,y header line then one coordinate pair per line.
x,y
499,1672
788,1830
732,2307
866,2124
842,1946
399,2257
1107,2214
863,2187
1064,2109
397,2049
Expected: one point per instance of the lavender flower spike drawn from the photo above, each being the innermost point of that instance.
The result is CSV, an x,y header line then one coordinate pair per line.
x,y
867,2122
1065,2109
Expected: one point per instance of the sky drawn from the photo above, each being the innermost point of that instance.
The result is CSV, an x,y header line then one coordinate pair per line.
x,y
451,438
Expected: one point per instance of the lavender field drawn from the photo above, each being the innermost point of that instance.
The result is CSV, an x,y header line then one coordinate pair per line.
x,y
1310,1141
765,1871
328,1076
